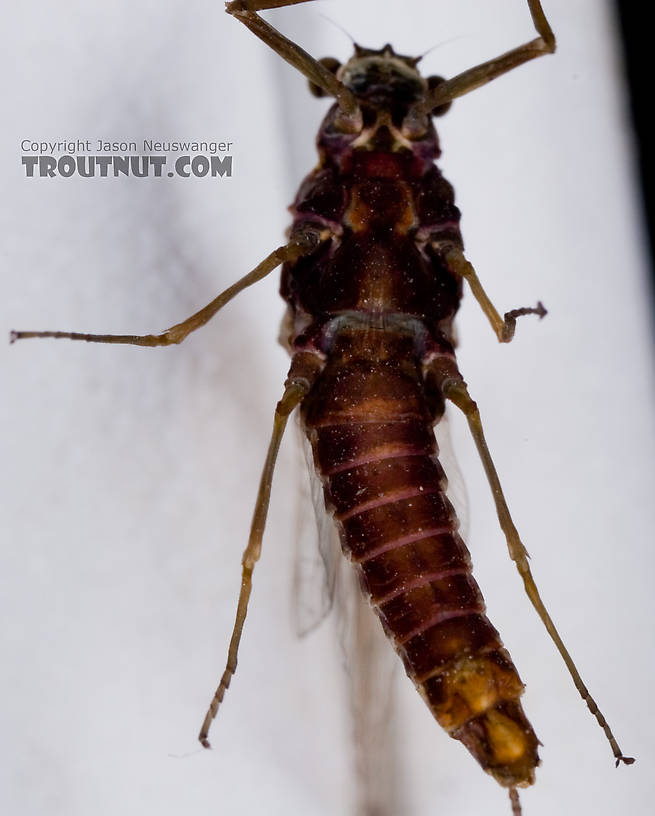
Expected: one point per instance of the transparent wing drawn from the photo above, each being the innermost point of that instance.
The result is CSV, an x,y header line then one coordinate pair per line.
x,y
323,581
371,667
456,490
317,548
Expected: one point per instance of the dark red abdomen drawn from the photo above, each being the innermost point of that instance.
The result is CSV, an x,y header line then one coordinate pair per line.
x,y
374,448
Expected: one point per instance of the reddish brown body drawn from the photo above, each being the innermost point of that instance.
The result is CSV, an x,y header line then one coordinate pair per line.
x,y
371,310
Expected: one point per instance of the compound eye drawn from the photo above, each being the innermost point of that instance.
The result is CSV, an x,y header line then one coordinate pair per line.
x,y
332,65
433,82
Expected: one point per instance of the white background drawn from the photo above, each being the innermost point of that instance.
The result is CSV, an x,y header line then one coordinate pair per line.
x,y
128,474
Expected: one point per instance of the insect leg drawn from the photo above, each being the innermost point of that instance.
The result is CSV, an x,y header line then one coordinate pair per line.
x,y
294,391
504,328
487,71
454,388
515,801
246,12
302,244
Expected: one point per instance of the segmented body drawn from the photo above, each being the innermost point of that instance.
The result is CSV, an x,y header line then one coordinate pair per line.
x,y
371,309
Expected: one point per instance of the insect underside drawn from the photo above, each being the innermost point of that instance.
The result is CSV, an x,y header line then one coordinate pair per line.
x,y
372,274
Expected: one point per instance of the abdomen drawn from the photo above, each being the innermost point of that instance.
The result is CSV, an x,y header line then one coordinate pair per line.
x,y
374,448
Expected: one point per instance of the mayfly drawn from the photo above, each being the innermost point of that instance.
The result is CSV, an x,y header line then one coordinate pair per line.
x,y
373,275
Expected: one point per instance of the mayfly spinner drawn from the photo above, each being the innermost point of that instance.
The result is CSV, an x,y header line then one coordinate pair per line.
x,y
373,273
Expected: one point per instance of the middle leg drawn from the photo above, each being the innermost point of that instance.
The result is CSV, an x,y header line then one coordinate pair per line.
x,y
503,327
